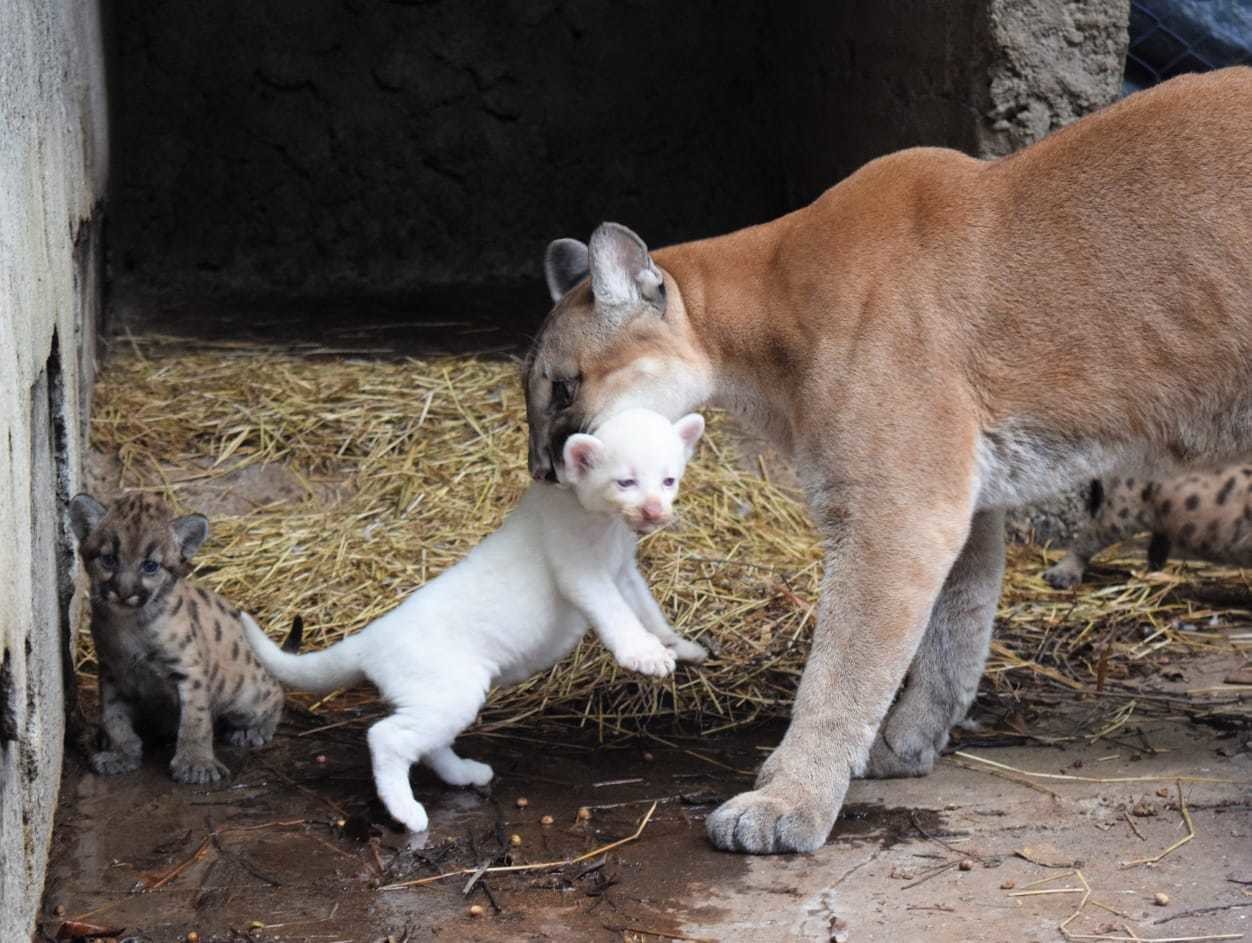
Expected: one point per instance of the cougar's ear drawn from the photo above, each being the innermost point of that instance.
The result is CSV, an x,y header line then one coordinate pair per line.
x,y
564,266
622,273
689,429
85,514
582,453
190,532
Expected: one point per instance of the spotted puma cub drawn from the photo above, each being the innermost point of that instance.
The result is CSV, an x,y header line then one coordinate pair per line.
x,y
1206,516
172,656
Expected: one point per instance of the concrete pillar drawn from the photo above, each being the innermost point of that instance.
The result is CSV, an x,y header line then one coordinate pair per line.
x,y
53,162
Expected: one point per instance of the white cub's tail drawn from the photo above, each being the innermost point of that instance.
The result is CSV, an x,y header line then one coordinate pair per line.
x,y
317,672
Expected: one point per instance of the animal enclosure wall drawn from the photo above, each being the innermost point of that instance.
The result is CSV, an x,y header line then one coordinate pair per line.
x,y
424,153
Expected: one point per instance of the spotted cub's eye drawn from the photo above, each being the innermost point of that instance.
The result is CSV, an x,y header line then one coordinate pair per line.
x,y
563,393
108,561
668,482
625,483
150,566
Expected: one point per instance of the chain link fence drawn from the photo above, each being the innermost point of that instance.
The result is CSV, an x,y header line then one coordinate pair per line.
x,y
1170,37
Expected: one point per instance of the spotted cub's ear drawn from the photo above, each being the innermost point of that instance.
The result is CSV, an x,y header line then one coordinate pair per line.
x,y
85,514
689,429
582,453
190,532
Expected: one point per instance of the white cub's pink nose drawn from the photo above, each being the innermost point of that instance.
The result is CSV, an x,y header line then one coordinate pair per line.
x,y
652,510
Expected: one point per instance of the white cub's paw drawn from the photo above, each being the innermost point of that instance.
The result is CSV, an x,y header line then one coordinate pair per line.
x,y
646,656
415,820
467,773
688,651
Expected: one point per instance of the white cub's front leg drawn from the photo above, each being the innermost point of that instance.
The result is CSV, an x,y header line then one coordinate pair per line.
x,y
619,629
456,770
650,614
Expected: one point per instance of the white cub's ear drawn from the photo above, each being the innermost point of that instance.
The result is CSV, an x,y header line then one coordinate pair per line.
x,y
564,266
622,272
689,429
582,453
190,532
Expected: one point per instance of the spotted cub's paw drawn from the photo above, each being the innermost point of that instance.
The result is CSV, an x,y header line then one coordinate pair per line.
x,y
114,762
248,737
688,651
198,770
647,656
1061,576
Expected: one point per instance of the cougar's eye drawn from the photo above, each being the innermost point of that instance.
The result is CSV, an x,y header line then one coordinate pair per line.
x,y
108,561
626,483
150,566
668,482
563,393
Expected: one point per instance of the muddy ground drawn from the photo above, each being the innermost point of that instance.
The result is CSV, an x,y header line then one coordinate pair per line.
x,y
296,848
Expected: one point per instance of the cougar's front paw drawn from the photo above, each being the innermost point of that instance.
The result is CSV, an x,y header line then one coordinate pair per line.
x,y
467,773
771,820
688,651
647,656
197,769
115,762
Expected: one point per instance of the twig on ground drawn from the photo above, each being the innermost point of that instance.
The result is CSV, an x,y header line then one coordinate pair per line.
x,y
529,867
1186,817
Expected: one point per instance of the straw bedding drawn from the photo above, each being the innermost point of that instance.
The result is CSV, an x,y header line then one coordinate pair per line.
x,y
394,469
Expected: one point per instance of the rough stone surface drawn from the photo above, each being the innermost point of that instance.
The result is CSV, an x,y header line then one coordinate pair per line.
x,y
1050,62
53,148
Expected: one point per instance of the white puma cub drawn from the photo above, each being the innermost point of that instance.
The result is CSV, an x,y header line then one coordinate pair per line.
x,y
517,604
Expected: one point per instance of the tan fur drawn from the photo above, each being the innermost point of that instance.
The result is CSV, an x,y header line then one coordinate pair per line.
x,y
932,340
172,656
1205,516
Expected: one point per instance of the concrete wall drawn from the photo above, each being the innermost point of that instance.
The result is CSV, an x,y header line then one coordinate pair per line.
x,y
53,163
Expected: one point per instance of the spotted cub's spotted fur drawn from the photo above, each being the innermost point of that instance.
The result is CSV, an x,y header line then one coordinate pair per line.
x,y
1205,516
173,659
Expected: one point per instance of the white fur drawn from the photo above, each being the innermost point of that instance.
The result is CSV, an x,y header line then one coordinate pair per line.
x,y
517,604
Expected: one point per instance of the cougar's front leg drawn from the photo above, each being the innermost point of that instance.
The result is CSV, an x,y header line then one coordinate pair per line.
x,y
890,547
943,679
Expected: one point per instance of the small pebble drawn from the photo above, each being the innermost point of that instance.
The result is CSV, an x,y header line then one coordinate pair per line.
x,y
1008,885
1163,792
522,802
515,841
256,925
321,758
58,910
476,910
546,820
340,823
584,814
193,937
1161,900
967,864
648,757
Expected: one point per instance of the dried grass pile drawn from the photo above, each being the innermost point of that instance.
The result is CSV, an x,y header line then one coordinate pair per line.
x,y
396,468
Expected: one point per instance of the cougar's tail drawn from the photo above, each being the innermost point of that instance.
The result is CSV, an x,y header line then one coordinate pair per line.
x,y
317,672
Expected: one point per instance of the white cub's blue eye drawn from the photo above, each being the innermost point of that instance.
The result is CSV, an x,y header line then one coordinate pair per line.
x,y
150,566
668,482
625,483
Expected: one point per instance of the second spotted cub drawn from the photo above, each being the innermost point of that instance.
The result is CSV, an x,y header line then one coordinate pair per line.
x,y
172,656
516,605
1207,516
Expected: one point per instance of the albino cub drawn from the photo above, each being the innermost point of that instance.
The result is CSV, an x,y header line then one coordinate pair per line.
x,y
517,604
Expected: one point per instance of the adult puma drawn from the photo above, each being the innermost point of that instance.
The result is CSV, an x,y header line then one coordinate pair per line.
x,y
934,339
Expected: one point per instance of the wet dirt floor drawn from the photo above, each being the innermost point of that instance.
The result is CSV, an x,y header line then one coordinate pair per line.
x,y
295,847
